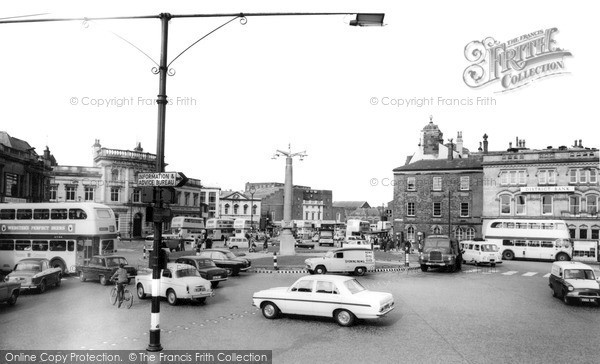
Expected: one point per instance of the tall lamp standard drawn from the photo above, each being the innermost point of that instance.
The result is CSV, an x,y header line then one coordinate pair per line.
x,y
287,242
252,192
163,70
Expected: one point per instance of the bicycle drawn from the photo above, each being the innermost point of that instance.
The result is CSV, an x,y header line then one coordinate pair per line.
x,y
127,295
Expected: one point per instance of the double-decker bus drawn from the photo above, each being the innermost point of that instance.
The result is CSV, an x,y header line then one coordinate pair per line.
x,y
530,239
67,234
242,227
355,227
326,232
220,229
184,227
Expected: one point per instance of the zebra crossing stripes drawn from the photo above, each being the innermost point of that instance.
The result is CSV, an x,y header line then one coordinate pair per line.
x,y
546,275
510,273
530,274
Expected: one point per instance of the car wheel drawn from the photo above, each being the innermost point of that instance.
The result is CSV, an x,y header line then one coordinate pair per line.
x,y
508,255
554,294
58,264
214,284
562,257
320,270
81,276
13,298
566,299
43,286
235,272
103,280
344,317
172,297
270,310
360,271
424,267
229,271
201,300
140,291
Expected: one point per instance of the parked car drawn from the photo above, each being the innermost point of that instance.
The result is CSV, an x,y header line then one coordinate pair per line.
x,y
304,244
237,243
223,258
480,252
207,268
178,281
102,268
340,297
574,281
35,273
9,292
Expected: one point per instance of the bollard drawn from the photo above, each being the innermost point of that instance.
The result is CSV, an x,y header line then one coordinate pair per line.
x,y
144,257
406,263
275,261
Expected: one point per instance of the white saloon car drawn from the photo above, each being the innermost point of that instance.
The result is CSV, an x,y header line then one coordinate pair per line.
x,y
480,252
340,297
177,281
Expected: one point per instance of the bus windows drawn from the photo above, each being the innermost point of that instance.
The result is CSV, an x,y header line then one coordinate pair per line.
x,y
23,245
520,243
547,244
507,242
77,214
58,245
533,244
509,225
7,245
58,214
40,245
24,214
534,225
71,245
547,226
521,225
7,214
108,245
103,213
41,214
497,224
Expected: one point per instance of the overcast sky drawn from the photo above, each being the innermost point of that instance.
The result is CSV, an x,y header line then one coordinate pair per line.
x,y
247,90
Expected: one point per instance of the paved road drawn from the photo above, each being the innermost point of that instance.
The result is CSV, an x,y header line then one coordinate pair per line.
x,y
475,316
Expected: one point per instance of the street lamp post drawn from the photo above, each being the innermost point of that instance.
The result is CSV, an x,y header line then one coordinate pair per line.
x,y
252,192
286,241
162,69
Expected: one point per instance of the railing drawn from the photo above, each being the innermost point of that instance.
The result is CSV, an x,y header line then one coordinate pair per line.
x,y
125,154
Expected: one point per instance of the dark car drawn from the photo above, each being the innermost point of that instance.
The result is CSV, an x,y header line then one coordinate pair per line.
x,y
207,268
35,273
223,258
9,292
102,268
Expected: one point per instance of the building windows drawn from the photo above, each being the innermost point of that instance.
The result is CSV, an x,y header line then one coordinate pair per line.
x,y
410,209
593,176
505,205
254,209
592,204
437,209
202,197
572,232
410,233
464,183
245,209
11,184
195,199
437,183
513,178
574,204
546,205
595,233
470,234
186,199
437,230
464,209
235,209
459,234
212,197
88,193
306,217
520,202
547,177
114,194
70,192
136,195
583,175
583,232
410,184
227,209
114,175
53,192
177,197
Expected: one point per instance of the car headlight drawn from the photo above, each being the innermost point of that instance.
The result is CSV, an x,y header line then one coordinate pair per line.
x,y
571,289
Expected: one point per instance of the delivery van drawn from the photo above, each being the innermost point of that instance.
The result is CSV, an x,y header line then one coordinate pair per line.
x,y
356,259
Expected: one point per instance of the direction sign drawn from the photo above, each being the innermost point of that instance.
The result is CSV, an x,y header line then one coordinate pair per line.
x,y
162,179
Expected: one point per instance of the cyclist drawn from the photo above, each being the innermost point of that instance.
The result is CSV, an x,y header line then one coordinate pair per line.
x,y
121,277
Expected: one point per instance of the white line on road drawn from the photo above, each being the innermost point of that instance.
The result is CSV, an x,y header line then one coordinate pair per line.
x,y
510,273
530,274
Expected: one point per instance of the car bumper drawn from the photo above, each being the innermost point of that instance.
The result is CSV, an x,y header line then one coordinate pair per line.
x,y
197,295
218,279
583,297
385,312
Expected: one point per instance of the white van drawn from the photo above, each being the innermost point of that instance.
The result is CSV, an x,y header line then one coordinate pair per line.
x,y
237,243
357,259
480,252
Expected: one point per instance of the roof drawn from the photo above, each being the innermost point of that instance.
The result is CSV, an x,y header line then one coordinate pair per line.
x,y
14,143
351,204
473,162
330,277
571,264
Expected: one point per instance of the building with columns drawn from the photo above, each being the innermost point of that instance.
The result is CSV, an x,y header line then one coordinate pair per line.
x,y
240,205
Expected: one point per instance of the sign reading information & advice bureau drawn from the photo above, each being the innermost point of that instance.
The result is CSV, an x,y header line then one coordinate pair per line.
x,y
161,179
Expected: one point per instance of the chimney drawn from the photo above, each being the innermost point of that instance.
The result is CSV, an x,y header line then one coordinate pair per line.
x,y
485,143
47,153
517,142
509,145
450,150
575,144
580,145
480,149
459,143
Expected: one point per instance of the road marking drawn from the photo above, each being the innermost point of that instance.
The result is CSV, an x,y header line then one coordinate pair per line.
x,y
510,273
546,275
530,274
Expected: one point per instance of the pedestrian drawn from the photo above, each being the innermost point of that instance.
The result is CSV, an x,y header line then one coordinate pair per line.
x,y
385,246
407,246
266,244
208,243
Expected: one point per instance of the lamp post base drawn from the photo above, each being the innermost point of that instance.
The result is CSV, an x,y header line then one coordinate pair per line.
x,y
287,243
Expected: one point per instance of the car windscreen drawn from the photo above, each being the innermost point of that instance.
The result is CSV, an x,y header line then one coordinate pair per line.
x,y
28,266
489,248
437,244
353,286
187,272
230,255
115,261
579,274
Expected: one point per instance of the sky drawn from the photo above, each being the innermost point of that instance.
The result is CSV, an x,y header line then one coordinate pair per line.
x,y
354,98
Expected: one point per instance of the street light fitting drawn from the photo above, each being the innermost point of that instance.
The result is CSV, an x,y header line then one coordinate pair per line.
x,y
368,19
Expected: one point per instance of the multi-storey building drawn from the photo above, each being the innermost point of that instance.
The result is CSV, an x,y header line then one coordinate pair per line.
x,y
552,183
24,175
240,205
